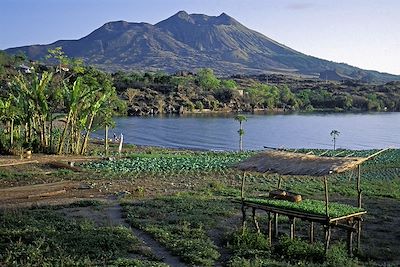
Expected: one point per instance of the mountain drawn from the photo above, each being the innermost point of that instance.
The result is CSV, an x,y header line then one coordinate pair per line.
x,y
190,41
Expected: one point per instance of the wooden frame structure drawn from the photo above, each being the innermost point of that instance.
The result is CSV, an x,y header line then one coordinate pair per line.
x,y
289,163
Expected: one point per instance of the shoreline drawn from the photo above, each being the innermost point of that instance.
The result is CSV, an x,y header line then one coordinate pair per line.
x,y
258,112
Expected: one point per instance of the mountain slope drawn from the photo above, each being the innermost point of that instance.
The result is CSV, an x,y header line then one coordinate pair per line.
x,y
187,42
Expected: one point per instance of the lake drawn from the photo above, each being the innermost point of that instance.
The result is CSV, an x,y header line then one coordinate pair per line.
x,y
219,132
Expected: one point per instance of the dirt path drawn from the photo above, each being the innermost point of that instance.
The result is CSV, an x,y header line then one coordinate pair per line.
x,y
114,215
42,159
218,233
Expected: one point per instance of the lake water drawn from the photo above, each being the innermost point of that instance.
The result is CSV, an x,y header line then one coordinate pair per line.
x,y
219,132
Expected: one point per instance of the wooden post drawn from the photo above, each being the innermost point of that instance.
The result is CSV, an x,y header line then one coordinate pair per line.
x,y
359,236
292,225
243,218
269,228
359,186
327,237
350,242
243,207
276,231
106,140
326,197
121,141
242,186
255,221
311,232
359,205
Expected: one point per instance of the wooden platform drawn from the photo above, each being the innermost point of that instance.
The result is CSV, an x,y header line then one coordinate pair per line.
x,y
350,222
299,214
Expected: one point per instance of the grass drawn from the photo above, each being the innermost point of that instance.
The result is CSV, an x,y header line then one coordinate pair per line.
x,y
43,237
252,249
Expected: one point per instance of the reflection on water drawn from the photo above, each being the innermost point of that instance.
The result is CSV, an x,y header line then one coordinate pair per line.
x,y
219,132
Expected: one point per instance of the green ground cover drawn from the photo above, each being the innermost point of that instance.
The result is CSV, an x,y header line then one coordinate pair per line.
x,y
43,237
181,222
310,206
167,163
186,222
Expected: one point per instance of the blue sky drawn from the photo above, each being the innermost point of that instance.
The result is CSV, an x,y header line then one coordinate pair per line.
x,y
363,33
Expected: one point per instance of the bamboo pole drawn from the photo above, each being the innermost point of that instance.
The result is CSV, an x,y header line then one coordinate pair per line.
x,y
377,153
255,221
350,241
326,197
269,228
359,205
311,232
106,140
276,228
243,207
327,238
292,225
243,219
359,186
242,186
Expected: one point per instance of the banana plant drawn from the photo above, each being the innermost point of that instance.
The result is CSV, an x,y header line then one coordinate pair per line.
x,y
95,108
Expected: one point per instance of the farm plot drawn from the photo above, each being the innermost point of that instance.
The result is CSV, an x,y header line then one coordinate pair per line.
x,y
44,237
170,163
181,223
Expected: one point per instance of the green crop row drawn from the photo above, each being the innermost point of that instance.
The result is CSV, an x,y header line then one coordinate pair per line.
x,y
161,163
309,206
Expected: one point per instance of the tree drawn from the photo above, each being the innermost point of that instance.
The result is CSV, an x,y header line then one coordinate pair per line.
x,y
228,84
240,119
207,80
334,134
33,93
131,93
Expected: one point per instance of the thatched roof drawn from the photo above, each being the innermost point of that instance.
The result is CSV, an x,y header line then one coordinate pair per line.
x,y
289,163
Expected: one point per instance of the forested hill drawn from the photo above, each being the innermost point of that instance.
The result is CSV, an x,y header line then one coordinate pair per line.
x,y
155,93
146,93
191,41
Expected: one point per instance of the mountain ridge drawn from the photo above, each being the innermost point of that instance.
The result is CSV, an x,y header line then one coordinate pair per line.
x,y
191,41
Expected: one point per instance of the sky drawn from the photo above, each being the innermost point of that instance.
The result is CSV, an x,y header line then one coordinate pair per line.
x,y
362,33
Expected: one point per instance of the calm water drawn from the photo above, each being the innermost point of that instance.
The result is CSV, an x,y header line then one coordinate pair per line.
x,y
357,131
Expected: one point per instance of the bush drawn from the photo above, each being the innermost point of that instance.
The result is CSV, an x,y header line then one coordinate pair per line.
x,y
337,256
249,245
298,250
199,105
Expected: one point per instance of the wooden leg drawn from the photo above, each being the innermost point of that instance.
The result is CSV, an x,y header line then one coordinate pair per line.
x,y
327,238
359,236
350,242
276,225
292,222
255,221
269,228
243,219
311,232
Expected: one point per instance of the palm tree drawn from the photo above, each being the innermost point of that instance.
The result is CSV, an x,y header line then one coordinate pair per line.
x,y
334,134
240,119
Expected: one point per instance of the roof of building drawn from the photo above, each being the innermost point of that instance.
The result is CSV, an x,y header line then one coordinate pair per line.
x,y
289,163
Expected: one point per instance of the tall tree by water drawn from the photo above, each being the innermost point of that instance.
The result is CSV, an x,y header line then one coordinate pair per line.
x,y
334,134
241,119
